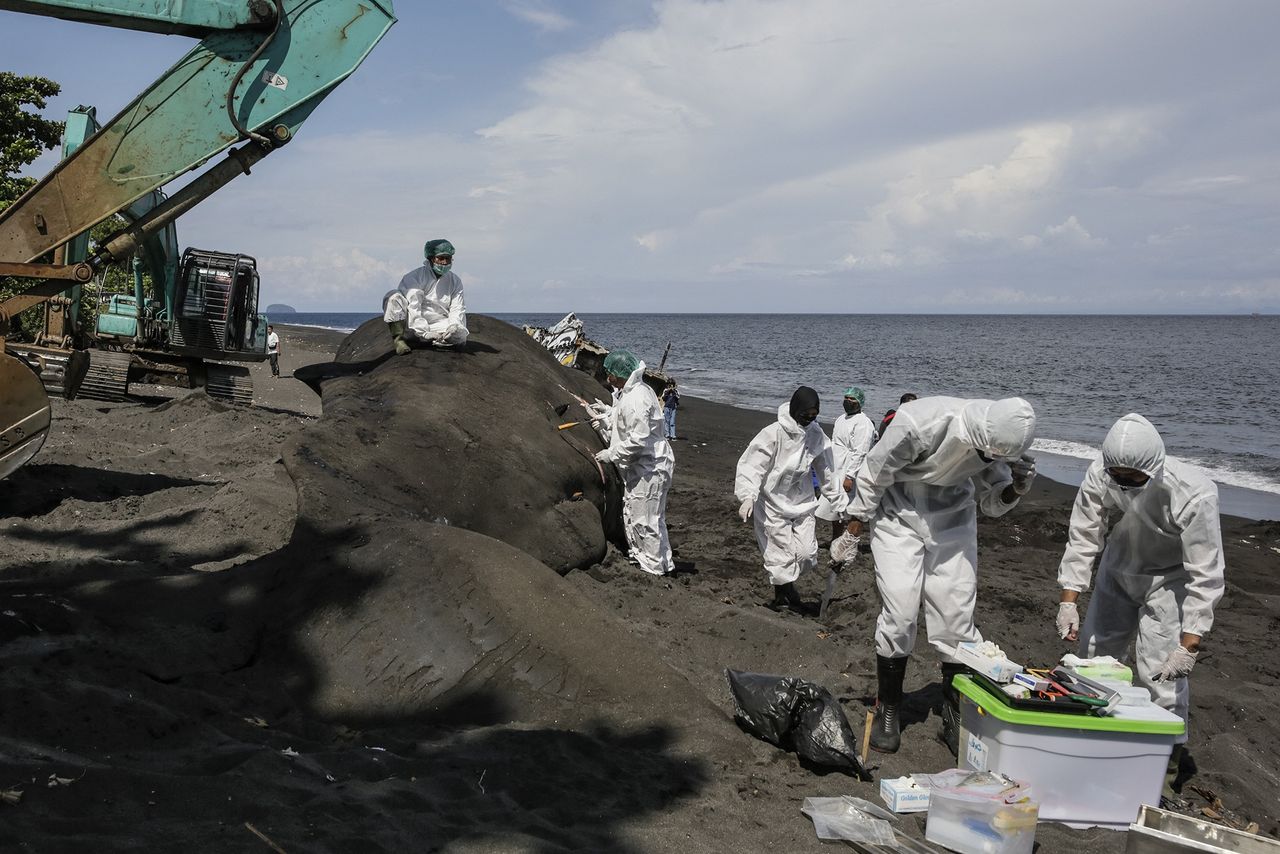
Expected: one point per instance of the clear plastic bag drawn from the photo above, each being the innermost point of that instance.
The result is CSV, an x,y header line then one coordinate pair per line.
x,y
843,818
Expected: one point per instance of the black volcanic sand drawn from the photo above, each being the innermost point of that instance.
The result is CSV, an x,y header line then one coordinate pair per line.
x,y
400,627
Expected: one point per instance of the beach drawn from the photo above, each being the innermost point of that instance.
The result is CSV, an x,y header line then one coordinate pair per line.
x,y
214,633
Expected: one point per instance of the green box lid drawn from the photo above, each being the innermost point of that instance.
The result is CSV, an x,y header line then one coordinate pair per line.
x,y
1001,711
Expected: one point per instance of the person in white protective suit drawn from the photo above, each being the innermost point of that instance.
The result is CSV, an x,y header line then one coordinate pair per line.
x,y
775,488
638,446
428,306
1161,569
939,462
851,438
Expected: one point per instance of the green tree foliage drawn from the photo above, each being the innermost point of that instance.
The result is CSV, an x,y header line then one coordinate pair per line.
x,y
23,136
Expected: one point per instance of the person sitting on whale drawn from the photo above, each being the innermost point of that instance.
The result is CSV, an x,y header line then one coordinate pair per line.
x,y
428,306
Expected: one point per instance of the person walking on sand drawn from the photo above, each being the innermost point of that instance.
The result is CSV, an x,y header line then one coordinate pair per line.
x,y
775,489
851,439
273,350
428,306
670,402
1150,524
919,489
639,448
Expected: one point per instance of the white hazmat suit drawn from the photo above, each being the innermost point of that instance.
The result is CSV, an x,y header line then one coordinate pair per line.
x,y
774,473
432,308
920,488
1161,570
851,438
639,448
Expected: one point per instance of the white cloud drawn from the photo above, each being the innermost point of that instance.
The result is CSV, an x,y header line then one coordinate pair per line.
x,y
747,143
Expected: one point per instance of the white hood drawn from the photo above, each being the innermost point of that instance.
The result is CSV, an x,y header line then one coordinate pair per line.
x,y
1002,429
1134,443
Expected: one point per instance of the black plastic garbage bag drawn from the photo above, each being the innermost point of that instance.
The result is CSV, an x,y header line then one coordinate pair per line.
x,y
796,715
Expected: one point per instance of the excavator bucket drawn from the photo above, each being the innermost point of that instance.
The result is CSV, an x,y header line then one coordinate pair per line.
x,y
24,413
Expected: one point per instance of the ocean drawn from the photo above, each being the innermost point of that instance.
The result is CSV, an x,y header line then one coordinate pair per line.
x,y
1211,384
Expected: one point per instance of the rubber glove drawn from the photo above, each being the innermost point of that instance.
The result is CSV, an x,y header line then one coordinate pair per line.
x,y
599,411
844,547
1024,472
1177,665
603,456
1068,620
745,508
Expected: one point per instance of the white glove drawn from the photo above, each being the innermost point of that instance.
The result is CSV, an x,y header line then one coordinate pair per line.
x,y
1177,665
844,547
745,508
1068,619
604,456
599,411
1024,472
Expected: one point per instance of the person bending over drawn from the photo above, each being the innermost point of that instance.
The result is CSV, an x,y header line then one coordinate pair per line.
x,y
1154,521
919,491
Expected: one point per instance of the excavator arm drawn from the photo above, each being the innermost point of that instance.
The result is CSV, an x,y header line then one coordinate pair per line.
x,y
260,68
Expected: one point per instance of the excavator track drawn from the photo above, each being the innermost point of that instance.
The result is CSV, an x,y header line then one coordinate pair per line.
x,y
60,371
108,376
24,413
231,383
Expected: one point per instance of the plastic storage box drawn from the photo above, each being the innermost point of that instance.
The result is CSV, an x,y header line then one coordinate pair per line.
x,y
1084,770
974,824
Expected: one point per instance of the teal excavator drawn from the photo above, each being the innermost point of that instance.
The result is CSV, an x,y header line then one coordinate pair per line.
x,y
260,68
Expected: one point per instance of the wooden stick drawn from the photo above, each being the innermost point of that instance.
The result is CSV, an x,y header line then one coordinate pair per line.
x,y
263,837
866,736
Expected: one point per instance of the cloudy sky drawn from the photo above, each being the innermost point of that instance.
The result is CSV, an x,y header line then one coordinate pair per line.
x,y
762,155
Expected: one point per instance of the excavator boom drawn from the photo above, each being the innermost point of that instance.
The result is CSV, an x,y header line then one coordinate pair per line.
x,y
259,70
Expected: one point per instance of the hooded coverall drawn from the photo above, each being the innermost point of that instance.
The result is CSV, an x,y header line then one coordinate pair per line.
x,y
851,439
774,471
433,308
639,447
920,488
1162,570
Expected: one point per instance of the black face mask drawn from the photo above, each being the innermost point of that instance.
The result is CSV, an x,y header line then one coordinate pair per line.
x,y
1127,483
805,420
852,407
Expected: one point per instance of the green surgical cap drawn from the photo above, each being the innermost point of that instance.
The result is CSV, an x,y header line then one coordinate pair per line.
x,y
621,364
437,247
856,393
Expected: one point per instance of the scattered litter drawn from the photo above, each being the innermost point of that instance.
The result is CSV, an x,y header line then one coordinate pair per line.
x,y
11,796
850,819
55,781
256,721
289,751
796,715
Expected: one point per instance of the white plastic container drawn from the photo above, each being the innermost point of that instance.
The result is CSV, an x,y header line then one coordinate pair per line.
x,y
973,824
995,669
1085,771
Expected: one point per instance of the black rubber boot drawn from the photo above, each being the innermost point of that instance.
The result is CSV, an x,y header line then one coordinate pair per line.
x,y
1168,793
786,596
951,707
886,736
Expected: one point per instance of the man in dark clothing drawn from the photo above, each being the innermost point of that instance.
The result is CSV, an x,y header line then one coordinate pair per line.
x,y
888,416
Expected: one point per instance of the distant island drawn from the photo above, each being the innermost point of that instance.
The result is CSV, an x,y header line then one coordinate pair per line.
x,y
280,308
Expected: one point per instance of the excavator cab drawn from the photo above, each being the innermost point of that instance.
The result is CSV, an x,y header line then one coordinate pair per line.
x,y
216,309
